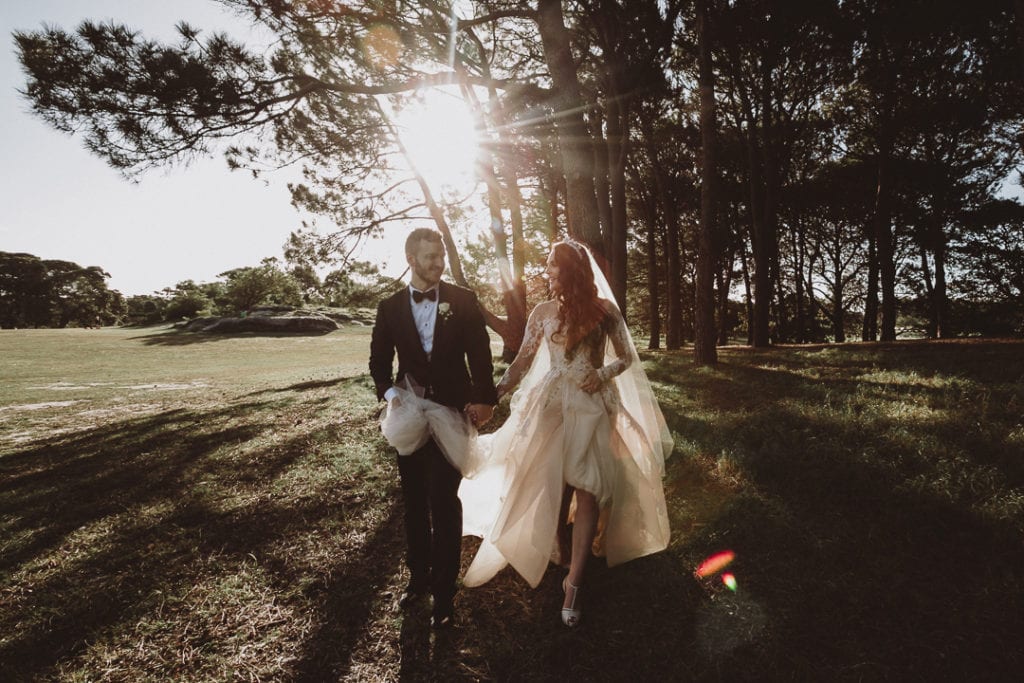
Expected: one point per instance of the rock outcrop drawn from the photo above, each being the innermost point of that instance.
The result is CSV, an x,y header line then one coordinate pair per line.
x,y
298,324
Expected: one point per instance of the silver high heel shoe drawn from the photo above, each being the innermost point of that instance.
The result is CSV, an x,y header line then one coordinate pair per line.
x,y
571,615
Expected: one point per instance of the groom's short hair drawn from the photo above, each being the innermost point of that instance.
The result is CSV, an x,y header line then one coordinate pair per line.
x,y
418,235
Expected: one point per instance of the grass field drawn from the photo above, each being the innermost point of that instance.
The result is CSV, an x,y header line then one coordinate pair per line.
x,y
181,507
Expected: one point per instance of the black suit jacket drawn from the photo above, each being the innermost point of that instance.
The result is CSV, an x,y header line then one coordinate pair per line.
x,y
460,369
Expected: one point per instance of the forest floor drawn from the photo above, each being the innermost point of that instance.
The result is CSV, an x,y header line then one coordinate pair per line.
x,y
189,508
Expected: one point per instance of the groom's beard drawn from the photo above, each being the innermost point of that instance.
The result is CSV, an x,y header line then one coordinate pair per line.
x,y
430,275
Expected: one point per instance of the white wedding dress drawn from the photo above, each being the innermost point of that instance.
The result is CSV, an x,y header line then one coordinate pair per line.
x,y
612,443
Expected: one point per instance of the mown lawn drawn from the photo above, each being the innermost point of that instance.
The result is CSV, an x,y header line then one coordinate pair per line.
x,y
182,508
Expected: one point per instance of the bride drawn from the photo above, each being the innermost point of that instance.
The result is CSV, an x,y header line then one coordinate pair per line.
x,y
585,442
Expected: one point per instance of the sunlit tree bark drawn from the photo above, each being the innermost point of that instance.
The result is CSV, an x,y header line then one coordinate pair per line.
x,y
574,138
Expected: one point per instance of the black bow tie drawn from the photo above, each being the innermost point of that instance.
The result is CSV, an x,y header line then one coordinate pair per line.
x,y
419,296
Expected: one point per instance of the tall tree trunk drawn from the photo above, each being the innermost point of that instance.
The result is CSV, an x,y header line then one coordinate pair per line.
x,y
929,289
512,338
759,238
513,285
704,351
515,297
869,331
883,65
838,328
601,185
799,251
618,134
653,281
941,300
759,315
884,242
726,268
650,219
665,269
606,20
674,331
747,294
551,186
653,287
722,286
938,241
812,300
770,220
574,140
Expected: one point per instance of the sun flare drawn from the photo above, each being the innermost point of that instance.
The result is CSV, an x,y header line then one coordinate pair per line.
x,y
438,132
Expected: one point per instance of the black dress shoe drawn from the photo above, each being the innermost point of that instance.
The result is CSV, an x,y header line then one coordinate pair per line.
x,y
443,615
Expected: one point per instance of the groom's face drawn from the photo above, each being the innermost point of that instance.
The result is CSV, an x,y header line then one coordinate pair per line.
x,y
426,263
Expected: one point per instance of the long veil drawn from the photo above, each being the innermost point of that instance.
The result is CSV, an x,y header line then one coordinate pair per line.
x,y
637,522
634,388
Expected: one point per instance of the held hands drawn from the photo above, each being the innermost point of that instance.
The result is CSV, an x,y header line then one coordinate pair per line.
x,y
592,382
479,413
391,404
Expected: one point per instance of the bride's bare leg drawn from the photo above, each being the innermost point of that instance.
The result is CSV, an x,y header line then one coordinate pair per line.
x,y
562,533
583,529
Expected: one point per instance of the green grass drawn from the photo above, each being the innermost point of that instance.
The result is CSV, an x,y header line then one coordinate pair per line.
x,y
178,507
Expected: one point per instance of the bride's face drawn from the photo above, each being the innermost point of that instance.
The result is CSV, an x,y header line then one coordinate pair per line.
x,y
551,273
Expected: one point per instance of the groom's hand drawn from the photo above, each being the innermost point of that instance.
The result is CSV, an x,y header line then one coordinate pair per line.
x,y
479,413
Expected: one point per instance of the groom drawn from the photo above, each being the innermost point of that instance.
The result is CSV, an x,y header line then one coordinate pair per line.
x,y
437,330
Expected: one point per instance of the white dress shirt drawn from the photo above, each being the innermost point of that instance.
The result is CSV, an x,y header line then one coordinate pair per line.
x,y
424,315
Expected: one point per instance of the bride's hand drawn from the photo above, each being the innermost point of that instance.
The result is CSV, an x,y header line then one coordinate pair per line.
x,y
591,383
479,413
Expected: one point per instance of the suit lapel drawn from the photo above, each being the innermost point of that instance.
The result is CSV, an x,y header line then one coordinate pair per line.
x,y
440,320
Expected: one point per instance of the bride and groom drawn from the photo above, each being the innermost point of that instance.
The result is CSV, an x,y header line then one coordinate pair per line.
x,y
584,443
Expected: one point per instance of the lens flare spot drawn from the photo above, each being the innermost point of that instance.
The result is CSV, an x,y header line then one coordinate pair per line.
x,y
715,563
730,581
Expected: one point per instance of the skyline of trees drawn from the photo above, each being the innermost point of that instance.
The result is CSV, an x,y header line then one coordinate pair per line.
x,y
835,163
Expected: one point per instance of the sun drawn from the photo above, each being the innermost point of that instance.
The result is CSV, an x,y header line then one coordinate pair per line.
x,y
438,131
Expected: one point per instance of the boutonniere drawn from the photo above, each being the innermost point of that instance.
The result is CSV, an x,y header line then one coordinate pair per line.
x,y
444,310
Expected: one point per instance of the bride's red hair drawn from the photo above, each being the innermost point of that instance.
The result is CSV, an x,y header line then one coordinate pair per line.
x,y
580,312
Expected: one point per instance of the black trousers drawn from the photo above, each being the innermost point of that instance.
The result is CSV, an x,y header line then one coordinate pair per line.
x,y
433,519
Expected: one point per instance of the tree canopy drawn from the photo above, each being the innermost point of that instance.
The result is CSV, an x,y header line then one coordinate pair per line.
x,y
36,292
831,166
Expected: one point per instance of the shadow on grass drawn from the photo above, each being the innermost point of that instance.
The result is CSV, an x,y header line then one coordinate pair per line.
x,y
52,490
348,603
107,528
339,382
878,539
637,623
173,337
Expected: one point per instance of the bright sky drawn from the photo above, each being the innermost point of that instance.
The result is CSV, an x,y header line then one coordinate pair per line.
x,y
57,201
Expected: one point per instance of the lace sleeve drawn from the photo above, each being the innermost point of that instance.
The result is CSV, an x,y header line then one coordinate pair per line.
x,y
619,339
531,342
